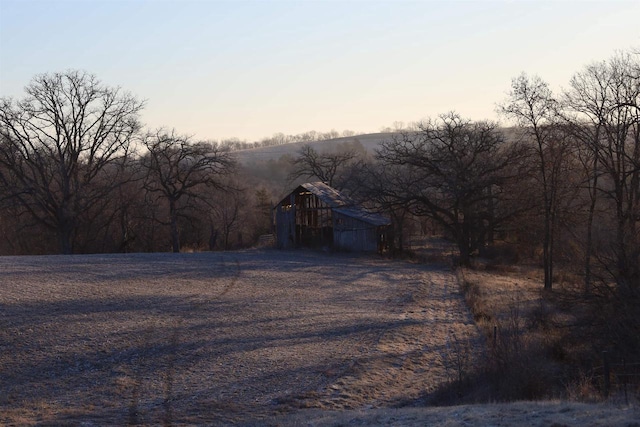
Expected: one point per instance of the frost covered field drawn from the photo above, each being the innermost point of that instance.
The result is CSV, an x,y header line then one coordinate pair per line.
x,y
252,337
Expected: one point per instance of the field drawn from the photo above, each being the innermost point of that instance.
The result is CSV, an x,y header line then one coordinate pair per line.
x,y
251,337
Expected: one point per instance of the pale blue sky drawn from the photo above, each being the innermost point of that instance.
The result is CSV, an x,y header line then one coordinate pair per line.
x,y
248,69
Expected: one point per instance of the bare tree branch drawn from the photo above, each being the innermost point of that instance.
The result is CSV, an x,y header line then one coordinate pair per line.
x,y
178,169
66,134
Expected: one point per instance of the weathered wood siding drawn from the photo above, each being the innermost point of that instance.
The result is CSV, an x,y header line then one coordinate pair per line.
x,y
286,225
353,235
316,215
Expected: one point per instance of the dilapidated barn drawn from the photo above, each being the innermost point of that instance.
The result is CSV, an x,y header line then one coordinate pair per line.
x,y
316,215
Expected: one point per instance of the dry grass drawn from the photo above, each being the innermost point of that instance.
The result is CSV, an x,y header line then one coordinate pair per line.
x,y
537,340
254,337
218,338
526,352
532,414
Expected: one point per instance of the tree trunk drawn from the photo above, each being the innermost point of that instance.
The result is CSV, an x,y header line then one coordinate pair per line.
x,y
227,231
65,232
65,239
465,255
547,249
399,233
464,238
589,243
213,238
175,233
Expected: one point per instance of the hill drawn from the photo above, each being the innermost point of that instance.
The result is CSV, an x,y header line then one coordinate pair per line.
x,y
369,141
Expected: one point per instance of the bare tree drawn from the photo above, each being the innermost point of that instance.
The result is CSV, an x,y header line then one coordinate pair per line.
x,y
398,126
534,108
329,167
456,173
377,184
263,211
225,218
177,170
586,103
605,100
66,148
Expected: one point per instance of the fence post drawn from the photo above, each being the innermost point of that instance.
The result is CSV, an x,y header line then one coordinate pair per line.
x,y
607,373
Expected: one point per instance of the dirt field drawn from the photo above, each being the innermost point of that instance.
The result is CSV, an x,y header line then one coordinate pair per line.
x,y
254,337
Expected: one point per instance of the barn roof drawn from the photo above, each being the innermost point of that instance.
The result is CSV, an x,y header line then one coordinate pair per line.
x,y
328,195
363,215
343,204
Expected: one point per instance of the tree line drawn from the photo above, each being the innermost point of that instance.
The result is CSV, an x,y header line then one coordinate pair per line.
x,y
78,173
236,144
563,181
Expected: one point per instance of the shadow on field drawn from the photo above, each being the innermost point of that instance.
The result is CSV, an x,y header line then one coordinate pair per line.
x,y
193,338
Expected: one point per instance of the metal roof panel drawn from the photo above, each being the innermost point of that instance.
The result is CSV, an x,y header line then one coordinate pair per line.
x,y
328,195
363,215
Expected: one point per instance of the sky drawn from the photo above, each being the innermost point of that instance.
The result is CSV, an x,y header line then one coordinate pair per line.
x,y
246,69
